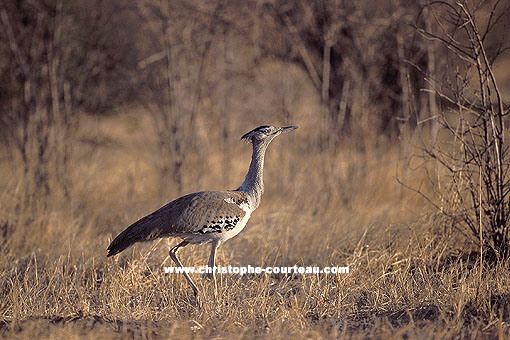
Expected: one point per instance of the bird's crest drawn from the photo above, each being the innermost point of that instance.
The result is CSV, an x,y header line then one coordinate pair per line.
x,y
263,128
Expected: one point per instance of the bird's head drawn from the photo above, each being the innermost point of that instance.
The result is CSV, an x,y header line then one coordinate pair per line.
x,y
265,134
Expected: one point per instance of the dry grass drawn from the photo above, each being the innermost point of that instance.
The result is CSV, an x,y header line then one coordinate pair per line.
x,y
411,277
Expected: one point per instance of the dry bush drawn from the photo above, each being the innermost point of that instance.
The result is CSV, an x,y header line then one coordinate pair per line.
x,y
172,85
355,55
472,184
56,60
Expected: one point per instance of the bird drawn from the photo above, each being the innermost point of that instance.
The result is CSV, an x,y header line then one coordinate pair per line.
x,y
206,216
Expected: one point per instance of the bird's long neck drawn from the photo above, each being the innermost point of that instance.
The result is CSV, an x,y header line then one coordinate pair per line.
x,y
253,184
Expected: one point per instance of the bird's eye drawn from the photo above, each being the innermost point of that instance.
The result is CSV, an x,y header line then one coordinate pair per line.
x,y
265,129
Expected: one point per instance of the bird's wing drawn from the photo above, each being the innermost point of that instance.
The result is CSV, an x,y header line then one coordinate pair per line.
x,y
186,215
208,209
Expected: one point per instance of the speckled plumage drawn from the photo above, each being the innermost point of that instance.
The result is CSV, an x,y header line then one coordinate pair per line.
x,y
196,218
206,216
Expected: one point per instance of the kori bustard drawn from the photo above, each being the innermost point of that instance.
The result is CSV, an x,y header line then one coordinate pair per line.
x,y
206,216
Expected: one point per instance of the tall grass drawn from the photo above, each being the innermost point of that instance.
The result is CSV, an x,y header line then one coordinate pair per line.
x,y
410,275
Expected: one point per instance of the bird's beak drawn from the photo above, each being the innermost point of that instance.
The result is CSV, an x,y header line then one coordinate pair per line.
x,y
287,128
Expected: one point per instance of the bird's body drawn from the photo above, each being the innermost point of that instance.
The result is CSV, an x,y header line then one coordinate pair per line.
x,y
198,218
206,216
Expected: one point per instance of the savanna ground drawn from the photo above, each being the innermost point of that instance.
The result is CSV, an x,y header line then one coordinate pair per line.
x,y
412,273
409,274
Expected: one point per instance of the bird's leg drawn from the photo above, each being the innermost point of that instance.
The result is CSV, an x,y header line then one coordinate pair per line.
x,y
211,263
173,255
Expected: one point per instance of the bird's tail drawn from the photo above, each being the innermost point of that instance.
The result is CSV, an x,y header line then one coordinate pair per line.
x,y
120,243
139,231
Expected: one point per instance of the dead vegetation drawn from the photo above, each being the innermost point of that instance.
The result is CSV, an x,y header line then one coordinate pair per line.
x,y
332,195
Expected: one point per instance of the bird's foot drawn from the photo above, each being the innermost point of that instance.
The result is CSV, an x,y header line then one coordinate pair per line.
x,y
197,301
207,276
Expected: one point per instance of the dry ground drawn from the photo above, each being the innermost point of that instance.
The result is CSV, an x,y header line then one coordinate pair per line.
x,y
411,276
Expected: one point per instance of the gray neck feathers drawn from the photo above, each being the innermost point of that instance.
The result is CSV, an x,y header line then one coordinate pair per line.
x,y
253,184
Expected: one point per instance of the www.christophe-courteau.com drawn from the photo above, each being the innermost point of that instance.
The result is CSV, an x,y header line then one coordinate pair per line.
x,y
242,270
